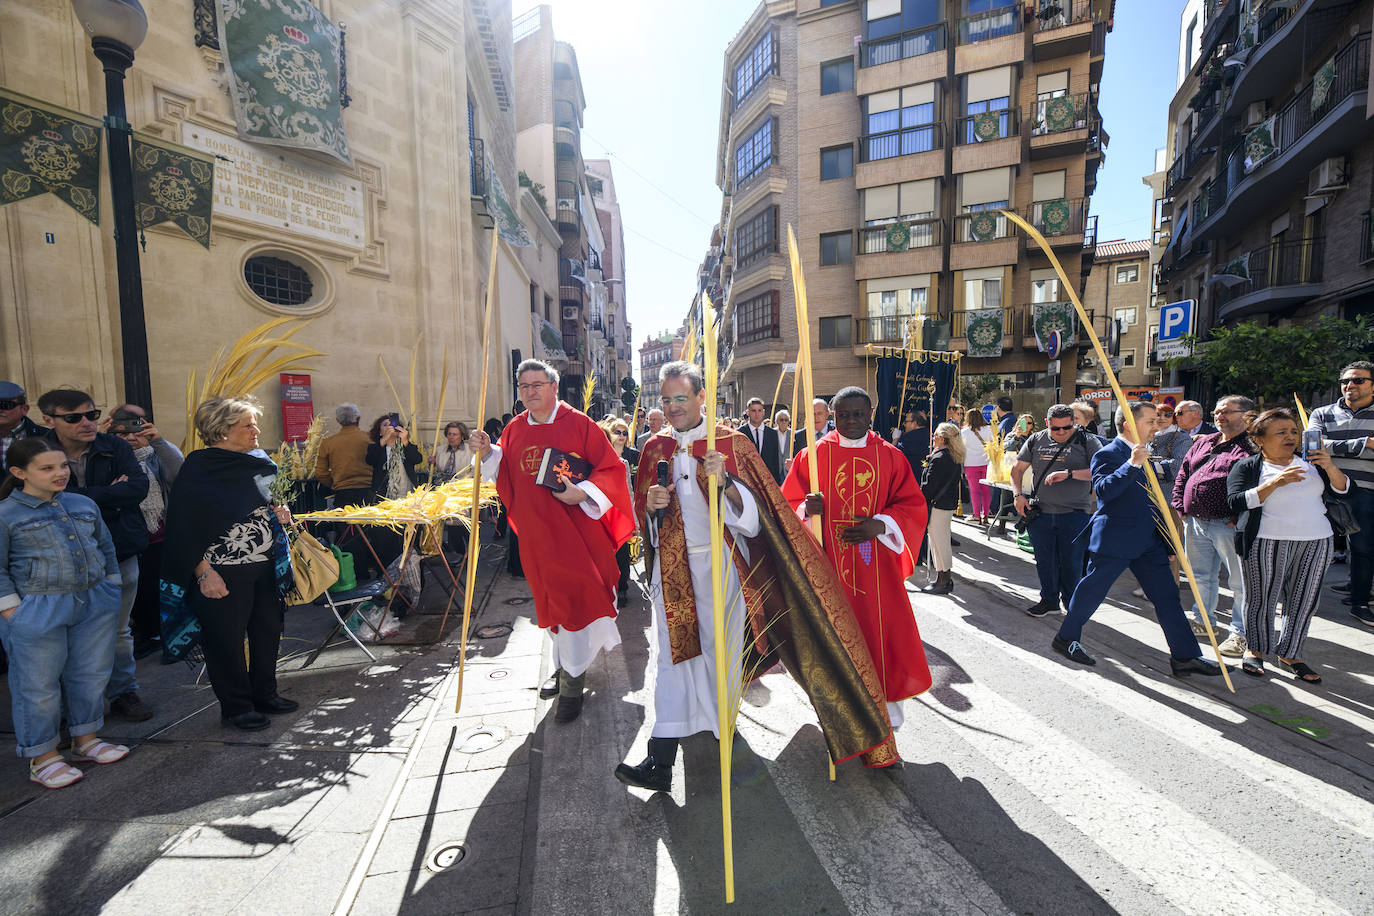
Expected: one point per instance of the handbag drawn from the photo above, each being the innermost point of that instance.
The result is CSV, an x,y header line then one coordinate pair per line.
x,y
313,566
1340,515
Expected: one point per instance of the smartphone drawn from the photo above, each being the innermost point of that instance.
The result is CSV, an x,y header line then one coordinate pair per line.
x,y
1311,442
395,419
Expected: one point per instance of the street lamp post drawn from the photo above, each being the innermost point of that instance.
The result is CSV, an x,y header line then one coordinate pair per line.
x,y
117,28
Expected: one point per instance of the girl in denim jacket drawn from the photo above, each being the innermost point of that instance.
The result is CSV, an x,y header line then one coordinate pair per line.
x,y
59,606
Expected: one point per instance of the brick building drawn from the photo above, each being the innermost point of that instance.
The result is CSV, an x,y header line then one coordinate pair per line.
x,y
884,132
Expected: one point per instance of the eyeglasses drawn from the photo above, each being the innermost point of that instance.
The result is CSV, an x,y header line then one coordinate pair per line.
x,y
532,386
677,400
1060,429
1354,380
9,404
1222,413
76,417
621,432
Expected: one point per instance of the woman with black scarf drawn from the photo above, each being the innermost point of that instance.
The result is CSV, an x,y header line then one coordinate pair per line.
x,y
226,566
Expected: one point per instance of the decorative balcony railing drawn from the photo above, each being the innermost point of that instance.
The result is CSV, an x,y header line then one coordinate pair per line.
x,y
1275,264
901,235
983,226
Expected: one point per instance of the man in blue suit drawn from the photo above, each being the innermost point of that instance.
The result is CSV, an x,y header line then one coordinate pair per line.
x,y
1124,534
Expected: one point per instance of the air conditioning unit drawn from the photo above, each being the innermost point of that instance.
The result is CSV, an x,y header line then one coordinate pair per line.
x,y
1327,176
1256,112
569,312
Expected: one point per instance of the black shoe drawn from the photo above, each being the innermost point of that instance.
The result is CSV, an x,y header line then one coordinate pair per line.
x,y
247,721
648,775
1363,614
128,706
1041,608
1342,587
938,588
1073,651
569,708
1186,666
549,689
276,705
955,542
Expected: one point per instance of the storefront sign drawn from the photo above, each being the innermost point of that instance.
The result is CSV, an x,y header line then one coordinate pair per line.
x,y
297,406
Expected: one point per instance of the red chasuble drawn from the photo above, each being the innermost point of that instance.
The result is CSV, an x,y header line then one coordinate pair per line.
x,y
864,482
568,556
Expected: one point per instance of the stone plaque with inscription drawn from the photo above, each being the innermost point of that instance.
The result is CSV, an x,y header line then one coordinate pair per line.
x,y
266,188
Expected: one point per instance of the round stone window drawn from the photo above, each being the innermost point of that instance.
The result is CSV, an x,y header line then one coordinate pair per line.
x,y
278,281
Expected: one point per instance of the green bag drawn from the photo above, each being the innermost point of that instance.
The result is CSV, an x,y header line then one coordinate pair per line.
x,y
348,580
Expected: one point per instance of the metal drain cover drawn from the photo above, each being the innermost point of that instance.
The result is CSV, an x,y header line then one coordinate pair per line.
x,y
479,739
445,856
516,602
493,631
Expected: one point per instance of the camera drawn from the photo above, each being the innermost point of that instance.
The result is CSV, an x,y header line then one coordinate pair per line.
x,y
127,425
1033,511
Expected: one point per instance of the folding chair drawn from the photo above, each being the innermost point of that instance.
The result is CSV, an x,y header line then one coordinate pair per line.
x,y
347,600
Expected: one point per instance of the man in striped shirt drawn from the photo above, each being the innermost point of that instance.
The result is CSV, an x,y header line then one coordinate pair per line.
x,y
1347,429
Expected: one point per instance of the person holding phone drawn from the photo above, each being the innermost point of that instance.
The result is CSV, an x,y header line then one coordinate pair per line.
x,y
392,457
1284,536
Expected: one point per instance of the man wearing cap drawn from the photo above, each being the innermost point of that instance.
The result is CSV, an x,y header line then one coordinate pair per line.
x,y
14,417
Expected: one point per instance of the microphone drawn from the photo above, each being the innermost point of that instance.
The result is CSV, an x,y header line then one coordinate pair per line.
x,y
662,470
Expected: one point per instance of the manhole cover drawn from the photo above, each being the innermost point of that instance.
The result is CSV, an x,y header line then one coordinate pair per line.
x,y
493,631
479,739
445,856
498,674
516,602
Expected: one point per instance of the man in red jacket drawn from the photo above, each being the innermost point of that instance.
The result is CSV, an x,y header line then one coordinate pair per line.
x,y
568,538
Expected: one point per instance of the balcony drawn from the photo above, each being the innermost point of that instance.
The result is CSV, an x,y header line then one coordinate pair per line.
x,y
1062,27
1061,125
1089,242
998,23
983,226
1061,222
568,207
1304,133
903,235
1281,275
565,128
1286,33
1013,327
905,141
914,43
986,127
884,330
1221,16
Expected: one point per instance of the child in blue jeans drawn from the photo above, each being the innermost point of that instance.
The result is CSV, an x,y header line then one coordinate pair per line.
x,y
59,607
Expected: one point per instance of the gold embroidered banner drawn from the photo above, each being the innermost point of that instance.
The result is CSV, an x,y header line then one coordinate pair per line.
x,y
45,149
173,184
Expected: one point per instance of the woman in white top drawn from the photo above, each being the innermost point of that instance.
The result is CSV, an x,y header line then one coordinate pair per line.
x,y
1284,537
976,435
453,455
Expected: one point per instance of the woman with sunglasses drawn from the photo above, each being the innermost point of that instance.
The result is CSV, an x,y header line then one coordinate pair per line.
x,y
619,434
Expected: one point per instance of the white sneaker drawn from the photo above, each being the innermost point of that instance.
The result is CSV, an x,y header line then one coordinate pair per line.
x,y
1234,646
1138,592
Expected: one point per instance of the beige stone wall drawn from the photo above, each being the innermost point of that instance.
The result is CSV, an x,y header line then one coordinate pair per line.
x,y
417,276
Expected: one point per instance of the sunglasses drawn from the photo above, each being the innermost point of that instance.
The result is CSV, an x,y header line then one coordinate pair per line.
x,y
621,432
1060,429
77,417
10,404
1354,380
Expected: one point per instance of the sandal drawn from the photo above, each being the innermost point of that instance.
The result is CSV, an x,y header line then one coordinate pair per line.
x,y
1252,666
1303,672
98,751
55,774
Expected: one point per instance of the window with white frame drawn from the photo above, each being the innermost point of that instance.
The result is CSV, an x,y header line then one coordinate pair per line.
x,y
1126,317
1128,273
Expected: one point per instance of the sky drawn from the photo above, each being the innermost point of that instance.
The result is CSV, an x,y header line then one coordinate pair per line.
x,y
652,77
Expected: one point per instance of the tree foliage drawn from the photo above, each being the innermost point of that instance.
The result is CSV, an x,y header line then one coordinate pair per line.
x,y
1270,363
975,389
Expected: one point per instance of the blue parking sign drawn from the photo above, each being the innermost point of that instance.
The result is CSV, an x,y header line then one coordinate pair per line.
x,y
1176,320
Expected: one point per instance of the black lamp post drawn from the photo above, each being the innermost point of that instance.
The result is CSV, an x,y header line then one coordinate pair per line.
x,y
117,28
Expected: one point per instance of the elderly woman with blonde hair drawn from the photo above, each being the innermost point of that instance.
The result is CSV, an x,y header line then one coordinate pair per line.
x,y
227,566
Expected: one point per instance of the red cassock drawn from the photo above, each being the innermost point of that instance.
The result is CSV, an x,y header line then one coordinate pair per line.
x,y
863,482
568,556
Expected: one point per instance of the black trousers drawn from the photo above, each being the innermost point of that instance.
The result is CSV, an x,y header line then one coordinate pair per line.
x,y
251,608
622,558
146,617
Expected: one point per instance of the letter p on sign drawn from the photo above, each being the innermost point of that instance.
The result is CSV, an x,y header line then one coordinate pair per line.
x,y
1175,320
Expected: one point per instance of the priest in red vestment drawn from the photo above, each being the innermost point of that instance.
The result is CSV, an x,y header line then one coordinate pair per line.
x,y
873,519
568,539
782,599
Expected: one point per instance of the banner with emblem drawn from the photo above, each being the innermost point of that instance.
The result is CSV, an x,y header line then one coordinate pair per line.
x,y
1053,316
173,184
282,58
983,329
1260,144
508,224
45,149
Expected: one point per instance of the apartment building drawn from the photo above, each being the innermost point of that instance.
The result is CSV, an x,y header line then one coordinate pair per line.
x,y
653,353
1264,210
550,103
1119,288
887,133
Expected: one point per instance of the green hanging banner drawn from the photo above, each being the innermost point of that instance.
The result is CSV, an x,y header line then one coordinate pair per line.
x,y
983,226
987,126
282,58
173,184
1054,316
984,332
1060,113
49,150
1260,144
898,237
1055,216
1321,84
